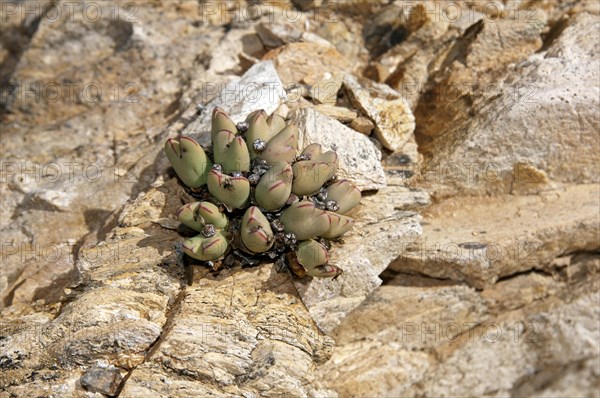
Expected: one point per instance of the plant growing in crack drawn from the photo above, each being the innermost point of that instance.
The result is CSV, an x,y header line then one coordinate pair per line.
x,y
258,200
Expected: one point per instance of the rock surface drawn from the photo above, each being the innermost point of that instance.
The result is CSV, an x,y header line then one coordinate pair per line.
x,y
500,272
393,119
523,119
478,240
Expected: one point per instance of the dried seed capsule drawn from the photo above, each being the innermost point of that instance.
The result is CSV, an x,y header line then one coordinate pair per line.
x,y
322,195
277,225
208,230
253,179
332,205
289,239
259,145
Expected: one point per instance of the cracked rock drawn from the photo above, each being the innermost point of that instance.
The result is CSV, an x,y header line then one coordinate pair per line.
x,y
393,119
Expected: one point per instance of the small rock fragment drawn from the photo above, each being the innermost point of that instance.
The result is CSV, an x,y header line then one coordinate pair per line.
x,y
294,61
102,380
337,112
325,91
362,125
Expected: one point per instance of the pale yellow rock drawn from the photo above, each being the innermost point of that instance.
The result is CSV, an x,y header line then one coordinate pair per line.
x,y
362,125
393,119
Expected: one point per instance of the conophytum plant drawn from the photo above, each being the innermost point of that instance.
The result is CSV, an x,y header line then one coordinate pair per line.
x,y
259,199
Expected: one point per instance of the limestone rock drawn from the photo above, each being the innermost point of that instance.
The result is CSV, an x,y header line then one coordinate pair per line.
x,y
340,113
243,332
438,329
479,240
325,91
548,95
294,61
102,380
362,125
393,119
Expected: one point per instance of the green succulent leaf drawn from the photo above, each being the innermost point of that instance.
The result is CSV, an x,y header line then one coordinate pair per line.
x,y
309,176
304,220
345,194
276,123
197,214
230,152
256,232
206,249
231,191
339,225
258,129
189,160
274,187
221,121
283,146
311,253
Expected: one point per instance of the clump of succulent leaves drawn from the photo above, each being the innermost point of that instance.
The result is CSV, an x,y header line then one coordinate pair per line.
x,y
259,199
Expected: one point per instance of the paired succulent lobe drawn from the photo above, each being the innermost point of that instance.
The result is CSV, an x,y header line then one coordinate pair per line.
x,y
345,194
338,225
311,253
304,220
221,121
231,152
276,123
256,233
206,249
258,129
311,174
283,146
189,160
231,191
198,214
274,187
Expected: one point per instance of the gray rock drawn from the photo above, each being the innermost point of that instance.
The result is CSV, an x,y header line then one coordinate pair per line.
x,y
102,380
360,160
258,88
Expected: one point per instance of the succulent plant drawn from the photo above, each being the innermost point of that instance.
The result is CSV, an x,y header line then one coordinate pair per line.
x,y
258,199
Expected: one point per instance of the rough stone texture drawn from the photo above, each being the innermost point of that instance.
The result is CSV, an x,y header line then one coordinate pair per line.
x,y
296,61
258,88
393,119
478,240
359,158
244,332
100,284
445,338
362,125
525,120
84,91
